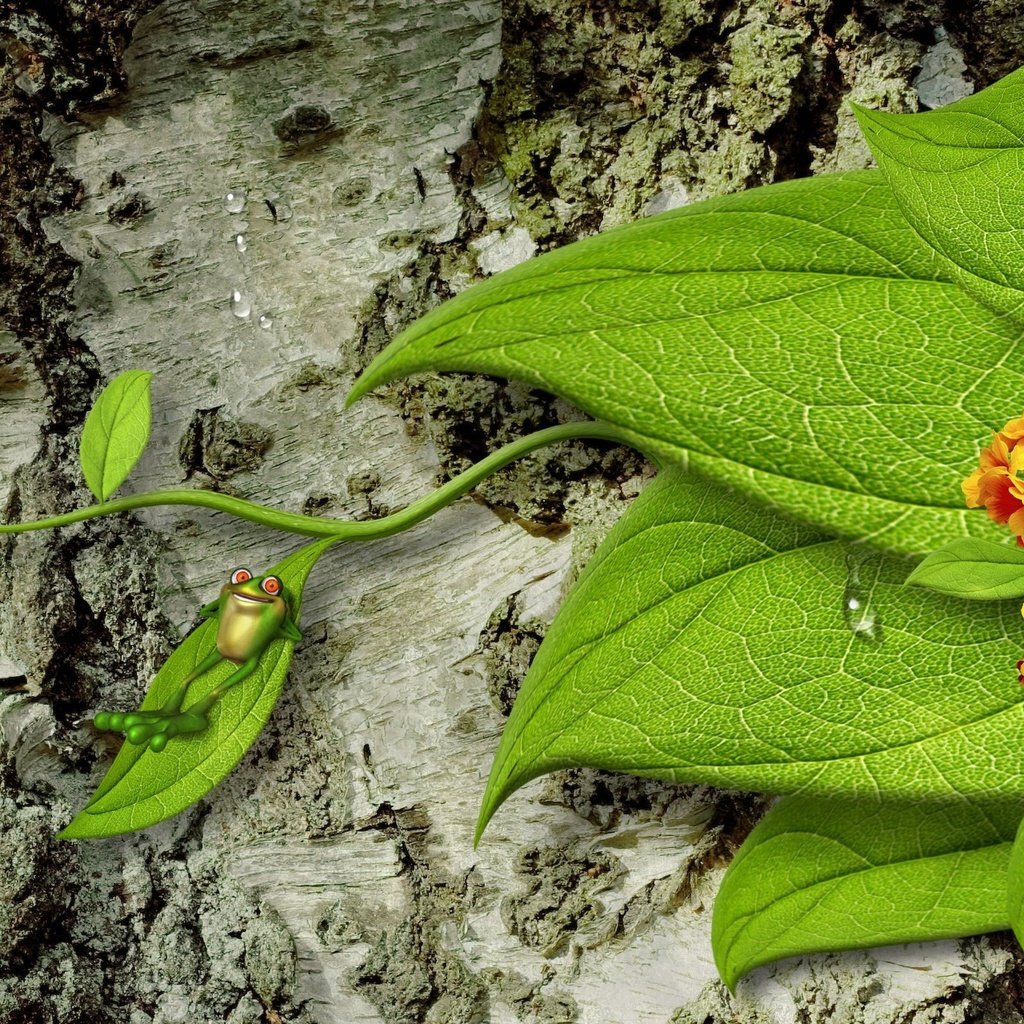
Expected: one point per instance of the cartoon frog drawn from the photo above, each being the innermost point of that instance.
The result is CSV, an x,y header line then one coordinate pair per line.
x,y
253,612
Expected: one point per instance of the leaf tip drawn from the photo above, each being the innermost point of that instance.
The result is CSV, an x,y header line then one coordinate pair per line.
x,y
728,972
720,951
915,576
71,831
372,377
500,786
860,112
487,809
358,390
869,120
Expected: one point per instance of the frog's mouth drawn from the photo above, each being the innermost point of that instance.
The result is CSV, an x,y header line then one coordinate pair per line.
x,y
252,598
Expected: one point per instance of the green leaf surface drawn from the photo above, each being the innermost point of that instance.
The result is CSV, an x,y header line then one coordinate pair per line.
x,y
799,341
142,787
1015,886
115,432
977,569
711,640
956,173
822,875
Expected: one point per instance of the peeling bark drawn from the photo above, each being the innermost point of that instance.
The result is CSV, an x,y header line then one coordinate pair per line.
x,y
390,154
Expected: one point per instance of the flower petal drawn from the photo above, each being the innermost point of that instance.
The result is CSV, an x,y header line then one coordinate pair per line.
x,y
972,488
996,495
996,454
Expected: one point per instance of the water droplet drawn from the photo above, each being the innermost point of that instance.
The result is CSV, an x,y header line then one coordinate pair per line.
x,y
860,615
266,322
234,201
240,243
240,305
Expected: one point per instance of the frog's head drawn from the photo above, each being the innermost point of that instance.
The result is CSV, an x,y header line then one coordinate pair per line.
x,y
249,592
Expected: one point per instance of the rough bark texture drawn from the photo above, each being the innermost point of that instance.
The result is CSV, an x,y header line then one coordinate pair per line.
x,y
391,152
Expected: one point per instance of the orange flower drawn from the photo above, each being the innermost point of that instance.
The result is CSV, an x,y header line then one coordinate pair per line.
x,y
997,483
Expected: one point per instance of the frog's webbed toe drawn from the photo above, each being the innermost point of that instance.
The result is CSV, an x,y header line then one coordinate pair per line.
x,y
157,727
109,721
152,727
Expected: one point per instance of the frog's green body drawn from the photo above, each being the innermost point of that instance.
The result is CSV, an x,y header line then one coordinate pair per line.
x,y
252,613
250,618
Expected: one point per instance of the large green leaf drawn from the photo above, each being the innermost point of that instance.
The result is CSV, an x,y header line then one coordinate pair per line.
x,y
142,787
799,341
115,432
956,173
711,640
819,875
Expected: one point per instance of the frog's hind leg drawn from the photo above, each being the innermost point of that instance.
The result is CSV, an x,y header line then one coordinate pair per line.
x,y
201,707
157,727
131,722
213,659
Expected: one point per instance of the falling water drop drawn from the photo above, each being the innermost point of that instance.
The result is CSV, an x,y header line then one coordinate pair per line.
x,y
240,243
859,613
240,305
266,322
234,201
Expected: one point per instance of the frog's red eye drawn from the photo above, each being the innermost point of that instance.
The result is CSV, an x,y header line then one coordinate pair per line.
x,y
241,576
271,585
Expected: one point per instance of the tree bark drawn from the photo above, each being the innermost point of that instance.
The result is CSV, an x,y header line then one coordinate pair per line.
x,y
390,152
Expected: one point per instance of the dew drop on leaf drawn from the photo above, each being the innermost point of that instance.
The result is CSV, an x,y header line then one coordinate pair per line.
x,y
859,613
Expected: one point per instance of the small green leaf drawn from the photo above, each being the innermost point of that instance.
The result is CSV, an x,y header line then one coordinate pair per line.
x,y
712,640
142,787
799,341
818,876
956,173
115,432
981,570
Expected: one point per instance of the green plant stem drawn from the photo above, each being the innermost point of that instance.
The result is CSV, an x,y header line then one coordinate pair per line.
x,y
322,526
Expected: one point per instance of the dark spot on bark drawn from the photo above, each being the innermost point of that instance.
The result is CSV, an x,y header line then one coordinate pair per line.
x,y
128,210
164,255
508,645
318,504
352,192
220,446
364,482
305,126
559,897
253,54
395,241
